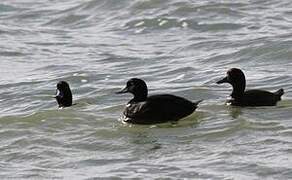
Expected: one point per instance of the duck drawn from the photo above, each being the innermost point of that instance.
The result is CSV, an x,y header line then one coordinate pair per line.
x,y
63,94
253,97
161,108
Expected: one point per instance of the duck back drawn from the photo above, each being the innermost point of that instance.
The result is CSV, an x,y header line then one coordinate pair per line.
x,y
258,98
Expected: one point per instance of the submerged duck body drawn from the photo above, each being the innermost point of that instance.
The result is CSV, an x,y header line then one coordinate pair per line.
x,y
154,109
256,97
63,94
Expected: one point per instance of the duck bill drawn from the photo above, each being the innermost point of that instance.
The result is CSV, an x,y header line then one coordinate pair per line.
x,y
125,90
58,94
224,80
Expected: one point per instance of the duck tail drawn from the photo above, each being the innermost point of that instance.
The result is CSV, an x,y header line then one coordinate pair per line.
x,y
197,102
279,93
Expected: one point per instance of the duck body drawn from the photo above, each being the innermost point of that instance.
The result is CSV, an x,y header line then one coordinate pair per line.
x,y
156,108
257,98
254,97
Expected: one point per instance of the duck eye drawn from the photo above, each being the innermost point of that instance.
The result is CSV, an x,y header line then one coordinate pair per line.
x,y
130,84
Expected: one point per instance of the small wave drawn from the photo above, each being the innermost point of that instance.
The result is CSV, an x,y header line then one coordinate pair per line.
x,y
4,8
142,25
12,53
156,23
85,14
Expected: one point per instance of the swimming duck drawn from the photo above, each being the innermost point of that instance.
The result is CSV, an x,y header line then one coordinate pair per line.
x,y
240,97
144,109
63,94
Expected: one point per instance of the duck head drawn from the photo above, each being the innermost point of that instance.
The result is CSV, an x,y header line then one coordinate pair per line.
x,y
138,88
63,94
236,78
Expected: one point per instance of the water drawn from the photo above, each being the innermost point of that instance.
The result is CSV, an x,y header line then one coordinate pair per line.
x,y
178,47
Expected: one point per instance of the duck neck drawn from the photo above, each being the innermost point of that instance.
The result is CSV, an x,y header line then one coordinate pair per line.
x,y
141,96
238,90
67,98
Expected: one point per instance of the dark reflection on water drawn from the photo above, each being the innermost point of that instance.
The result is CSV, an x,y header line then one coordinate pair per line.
x,y
235,112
